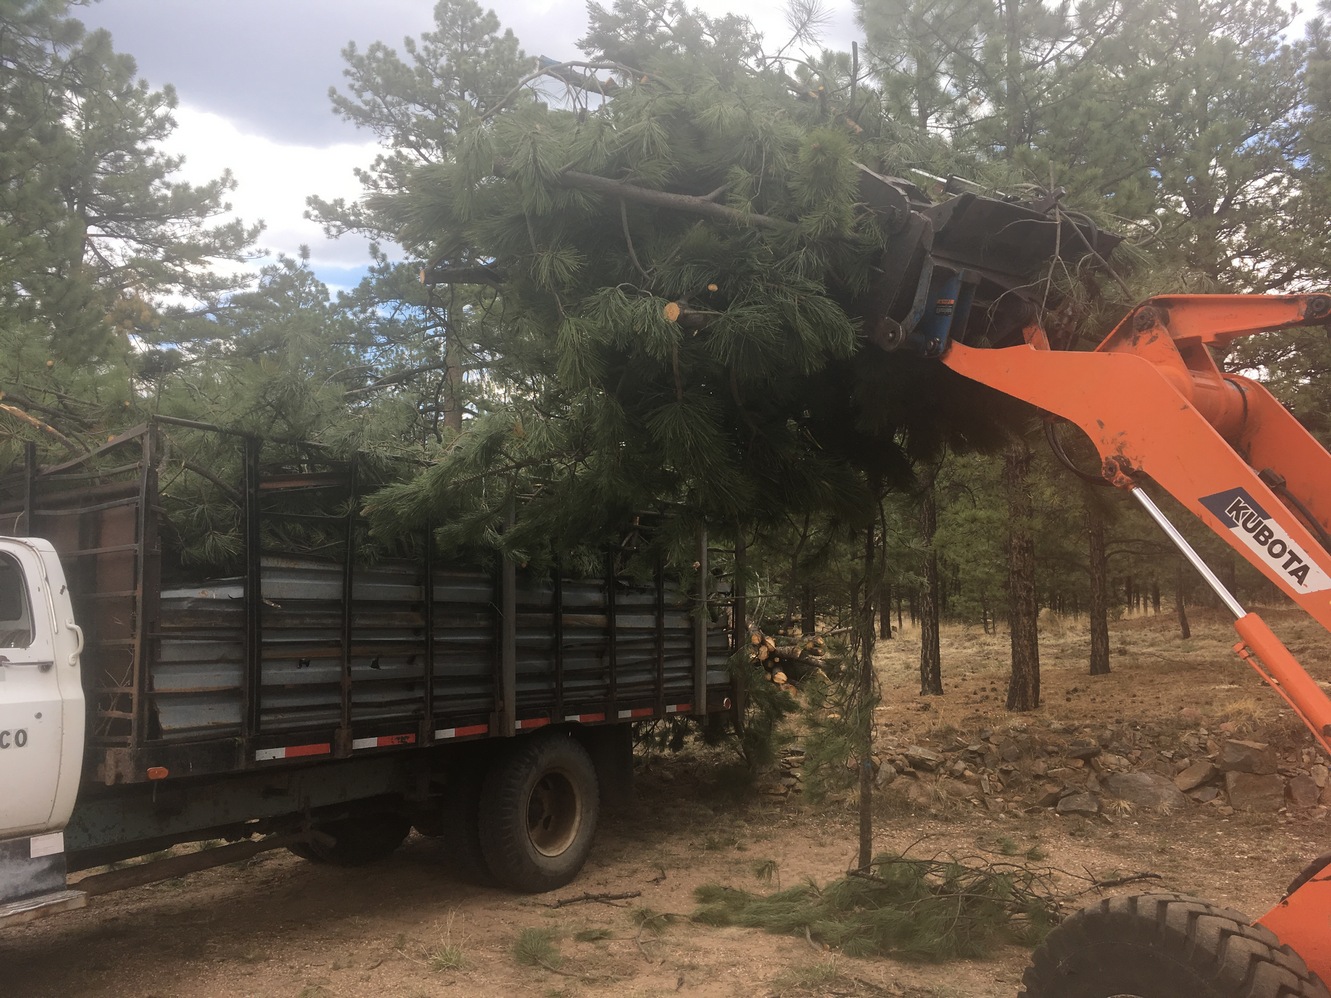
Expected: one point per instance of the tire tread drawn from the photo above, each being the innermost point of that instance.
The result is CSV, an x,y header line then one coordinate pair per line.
x,y
1217,949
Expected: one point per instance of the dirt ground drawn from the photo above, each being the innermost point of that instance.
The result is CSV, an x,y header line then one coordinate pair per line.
x,y
276,926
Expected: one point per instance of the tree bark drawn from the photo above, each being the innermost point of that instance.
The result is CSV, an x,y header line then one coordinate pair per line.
x,y
1099,566
808,611
885,612
1184,630
866,697
1023,610
931,665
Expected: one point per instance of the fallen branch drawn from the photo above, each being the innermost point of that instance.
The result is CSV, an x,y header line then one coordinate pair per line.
x,y
46,428
1097,885
604,898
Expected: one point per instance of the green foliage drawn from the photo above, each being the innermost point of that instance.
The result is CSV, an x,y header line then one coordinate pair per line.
x,y
835,718
538,947
765,705
911,909
98,232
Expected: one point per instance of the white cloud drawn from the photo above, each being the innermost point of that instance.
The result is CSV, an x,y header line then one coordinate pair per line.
x,y
273,180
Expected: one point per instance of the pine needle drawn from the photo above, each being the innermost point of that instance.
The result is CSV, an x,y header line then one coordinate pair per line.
x,y
911,909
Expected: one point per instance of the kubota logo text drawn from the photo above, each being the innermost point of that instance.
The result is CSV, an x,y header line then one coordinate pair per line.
x,y
1255,529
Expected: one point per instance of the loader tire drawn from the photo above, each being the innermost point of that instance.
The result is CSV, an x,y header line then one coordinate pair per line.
x,y
538,810
1165,946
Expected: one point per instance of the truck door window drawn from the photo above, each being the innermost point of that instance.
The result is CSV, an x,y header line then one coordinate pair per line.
x,y
15,614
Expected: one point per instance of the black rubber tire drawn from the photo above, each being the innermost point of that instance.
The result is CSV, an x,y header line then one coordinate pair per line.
x,y
538,811
357,840
1165,946
455,818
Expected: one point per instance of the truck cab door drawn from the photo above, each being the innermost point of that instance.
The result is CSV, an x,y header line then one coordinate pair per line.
x,y
41,693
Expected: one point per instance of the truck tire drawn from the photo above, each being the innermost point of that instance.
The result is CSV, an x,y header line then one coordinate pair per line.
x,y
357,840
455,818
1165,946
538,809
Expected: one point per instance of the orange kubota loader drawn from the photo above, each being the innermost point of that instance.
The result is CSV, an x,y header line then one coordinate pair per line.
x,y
1159,409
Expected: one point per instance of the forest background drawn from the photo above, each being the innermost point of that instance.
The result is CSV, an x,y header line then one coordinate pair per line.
x,y
537,362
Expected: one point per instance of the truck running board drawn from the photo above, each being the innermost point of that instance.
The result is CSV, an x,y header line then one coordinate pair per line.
x,y
30,909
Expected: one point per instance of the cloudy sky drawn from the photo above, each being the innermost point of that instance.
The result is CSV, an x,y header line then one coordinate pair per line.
x,y
252,78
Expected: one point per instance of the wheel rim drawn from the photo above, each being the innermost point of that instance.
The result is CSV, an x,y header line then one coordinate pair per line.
x,y
554,814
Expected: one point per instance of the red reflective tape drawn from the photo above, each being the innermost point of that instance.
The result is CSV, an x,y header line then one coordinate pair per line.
x,y
679,708
533,722
298,750
637,712
585,718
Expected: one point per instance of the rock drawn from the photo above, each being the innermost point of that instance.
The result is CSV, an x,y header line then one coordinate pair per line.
x,y
1111,763
1195,775
1255,791
1010,752
1319,774
1204,795
886,774
1083,749
957,789
923,758
1302,791
1247,757
1082,804
1145,789
1050,795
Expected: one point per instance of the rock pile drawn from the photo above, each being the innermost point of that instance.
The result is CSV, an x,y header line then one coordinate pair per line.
x,y
1076,771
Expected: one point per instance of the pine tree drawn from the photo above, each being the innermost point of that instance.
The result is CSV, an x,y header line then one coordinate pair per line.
x,y
94,230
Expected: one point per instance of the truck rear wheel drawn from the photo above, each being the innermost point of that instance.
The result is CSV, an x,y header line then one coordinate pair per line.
x,y
357,840
1164,946
455,818
538,810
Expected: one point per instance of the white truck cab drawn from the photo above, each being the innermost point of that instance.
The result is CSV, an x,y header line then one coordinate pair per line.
x,y
41,719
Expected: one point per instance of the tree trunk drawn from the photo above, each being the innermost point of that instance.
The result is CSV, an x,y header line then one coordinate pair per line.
x,y
885,612
1023,610
866,697
1099,563
808,611
452,372
931,666
1184,630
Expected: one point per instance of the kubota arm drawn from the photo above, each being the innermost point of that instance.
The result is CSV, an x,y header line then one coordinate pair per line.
x,y
1153,401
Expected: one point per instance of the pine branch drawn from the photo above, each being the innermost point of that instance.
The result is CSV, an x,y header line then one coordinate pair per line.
x,y
560,71
397,378
689,203
45,428
432,274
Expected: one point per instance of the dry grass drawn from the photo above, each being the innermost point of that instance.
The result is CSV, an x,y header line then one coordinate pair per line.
x,y
1148,661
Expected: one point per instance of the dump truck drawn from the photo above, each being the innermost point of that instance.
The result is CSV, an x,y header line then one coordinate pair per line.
x,y
272,675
